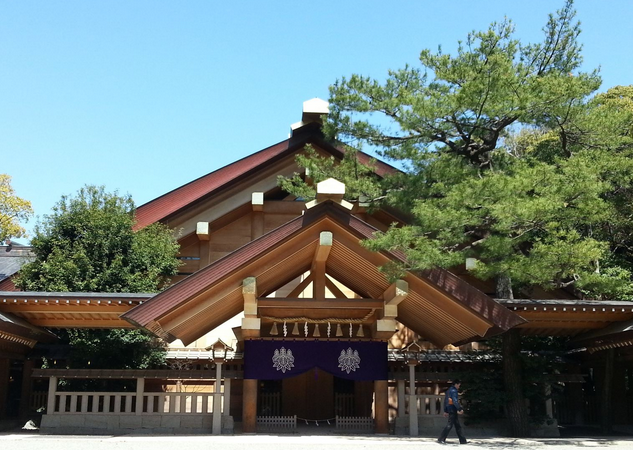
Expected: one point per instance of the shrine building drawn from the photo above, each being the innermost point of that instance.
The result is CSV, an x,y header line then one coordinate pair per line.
x,y
281,320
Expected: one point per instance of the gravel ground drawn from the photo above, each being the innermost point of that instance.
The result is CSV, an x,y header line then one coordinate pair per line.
x,y
22,441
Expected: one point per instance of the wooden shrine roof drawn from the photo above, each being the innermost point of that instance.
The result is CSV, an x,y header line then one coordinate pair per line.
x,y
440,306
71,309
558,317
185,196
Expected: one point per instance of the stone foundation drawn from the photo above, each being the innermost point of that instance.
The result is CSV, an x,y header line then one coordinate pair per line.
x,y
131,424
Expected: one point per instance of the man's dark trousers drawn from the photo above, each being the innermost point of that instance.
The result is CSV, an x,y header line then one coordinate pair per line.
x,y
453,419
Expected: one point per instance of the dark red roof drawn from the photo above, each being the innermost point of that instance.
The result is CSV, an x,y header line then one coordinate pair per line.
x,y
172,202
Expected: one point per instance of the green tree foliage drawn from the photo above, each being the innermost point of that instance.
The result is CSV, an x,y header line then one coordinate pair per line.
x,y
113,349
87,244
361,182
510,158
527,213
13,209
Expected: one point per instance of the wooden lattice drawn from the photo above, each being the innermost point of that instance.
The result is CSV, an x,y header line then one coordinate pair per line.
x,y
279,424
355,424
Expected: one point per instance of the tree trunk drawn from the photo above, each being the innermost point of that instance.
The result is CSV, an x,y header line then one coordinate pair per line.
x,y
515,408
606,405
504,287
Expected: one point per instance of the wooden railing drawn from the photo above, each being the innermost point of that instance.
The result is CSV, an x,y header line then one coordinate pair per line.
x,y
428,405
279,424
355,424
38,400
126,403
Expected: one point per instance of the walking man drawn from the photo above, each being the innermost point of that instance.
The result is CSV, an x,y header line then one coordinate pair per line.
x,y
452,410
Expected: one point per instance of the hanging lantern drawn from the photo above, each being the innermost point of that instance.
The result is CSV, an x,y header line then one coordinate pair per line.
x,y
339,331
273,330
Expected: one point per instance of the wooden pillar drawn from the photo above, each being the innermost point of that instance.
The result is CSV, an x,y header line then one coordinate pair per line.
x,y
575,397
140,391
5,365
227,397
606,398
381,407
515,407
318,264
401,401
257,224
549,404
413,403
202,231
249,408
217,400
27,389
52,393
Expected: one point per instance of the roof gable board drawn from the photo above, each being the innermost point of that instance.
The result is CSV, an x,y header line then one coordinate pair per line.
x,y
441,308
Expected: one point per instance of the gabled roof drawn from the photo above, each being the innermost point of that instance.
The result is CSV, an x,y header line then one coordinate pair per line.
x,y
187,195
440,306
12,257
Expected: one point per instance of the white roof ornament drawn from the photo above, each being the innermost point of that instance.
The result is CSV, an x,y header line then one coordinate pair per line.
x,y
330,189
313,110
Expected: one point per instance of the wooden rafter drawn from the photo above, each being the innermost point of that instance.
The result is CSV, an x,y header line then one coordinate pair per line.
x,y
319,262
301,286
333,288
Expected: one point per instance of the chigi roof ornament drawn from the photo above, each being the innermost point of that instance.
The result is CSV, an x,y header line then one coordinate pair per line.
x,y
330,189
313,112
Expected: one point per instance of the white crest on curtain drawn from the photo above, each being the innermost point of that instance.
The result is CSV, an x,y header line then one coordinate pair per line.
x,y
283,359
349,360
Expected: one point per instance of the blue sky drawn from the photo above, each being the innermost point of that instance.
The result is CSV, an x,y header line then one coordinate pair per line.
x,y
144,96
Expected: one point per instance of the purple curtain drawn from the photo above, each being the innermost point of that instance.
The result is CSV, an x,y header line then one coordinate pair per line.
x,y
354,360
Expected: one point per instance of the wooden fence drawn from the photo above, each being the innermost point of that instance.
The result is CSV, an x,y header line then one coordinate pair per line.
x,y
427,405
276,424
354,424
127,403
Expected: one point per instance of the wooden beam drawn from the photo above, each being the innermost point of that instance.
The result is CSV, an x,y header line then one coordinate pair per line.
x,y
301,286
383,328
249,291
395,293
320,260
320,303
334,288
63,308
257,201
324,247
251,327
81,322
555,324
284,207
202,231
